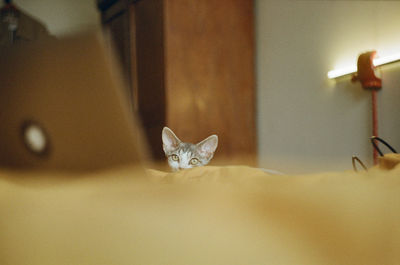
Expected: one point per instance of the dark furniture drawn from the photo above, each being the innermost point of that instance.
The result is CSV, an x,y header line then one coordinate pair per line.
x,y
190,66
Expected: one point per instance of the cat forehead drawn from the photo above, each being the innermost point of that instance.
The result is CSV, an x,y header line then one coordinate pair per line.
x,y
187,148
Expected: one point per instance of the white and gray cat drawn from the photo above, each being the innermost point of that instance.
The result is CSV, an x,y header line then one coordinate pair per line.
x,y
187,155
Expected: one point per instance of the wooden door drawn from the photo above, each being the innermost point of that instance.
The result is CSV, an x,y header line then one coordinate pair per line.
x,y
192,69
209,54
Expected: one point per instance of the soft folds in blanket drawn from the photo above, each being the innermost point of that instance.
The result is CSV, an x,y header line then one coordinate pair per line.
x,y
209,215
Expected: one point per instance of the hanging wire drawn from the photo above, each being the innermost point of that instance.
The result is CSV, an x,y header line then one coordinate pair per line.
x,y
374,122
355,159
375,138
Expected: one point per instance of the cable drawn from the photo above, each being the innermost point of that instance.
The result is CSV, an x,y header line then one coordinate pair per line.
x,y
376,148
375,123
355,159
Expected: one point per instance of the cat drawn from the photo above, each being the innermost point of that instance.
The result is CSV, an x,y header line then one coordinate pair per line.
x,y
182,155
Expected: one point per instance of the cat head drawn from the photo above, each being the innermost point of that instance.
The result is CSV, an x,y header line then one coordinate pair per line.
x,y
186,155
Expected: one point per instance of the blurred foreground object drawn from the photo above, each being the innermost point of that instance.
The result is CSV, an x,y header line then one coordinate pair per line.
x,y
63,107
205,215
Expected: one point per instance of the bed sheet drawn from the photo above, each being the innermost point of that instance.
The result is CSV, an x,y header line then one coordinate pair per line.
x,y
207,215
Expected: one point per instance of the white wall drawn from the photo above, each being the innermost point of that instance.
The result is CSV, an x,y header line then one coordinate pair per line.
x,y
63,17
307,123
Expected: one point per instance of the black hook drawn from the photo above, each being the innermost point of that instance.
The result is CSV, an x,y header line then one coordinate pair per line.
x,y
373,138
7,2
354,159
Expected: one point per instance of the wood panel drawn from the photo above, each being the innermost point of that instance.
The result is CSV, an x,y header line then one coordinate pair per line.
x,y
149,30
209,48
191,67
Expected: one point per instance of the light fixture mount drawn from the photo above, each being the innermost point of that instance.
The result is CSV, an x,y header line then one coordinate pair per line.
x,y
366,72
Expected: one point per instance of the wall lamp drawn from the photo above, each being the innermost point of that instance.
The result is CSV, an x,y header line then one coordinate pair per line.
x,y
352,70
364,72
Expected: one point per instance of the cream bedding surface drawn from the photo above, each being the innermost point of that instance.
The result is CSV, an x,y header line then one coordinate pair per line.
x,y
208,215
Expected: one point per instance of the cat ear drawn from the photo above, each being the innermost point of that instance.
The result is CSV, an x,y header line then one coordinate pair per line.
x,y
207,147
170,141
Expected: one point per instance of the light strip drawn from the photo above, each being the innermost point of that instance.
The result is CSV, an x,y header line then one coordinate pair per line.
x,y
388,59
377,62
341,72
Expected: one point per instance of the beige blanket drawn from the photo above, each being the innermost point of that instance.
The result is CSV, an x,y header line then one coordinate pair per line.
x,y
209,215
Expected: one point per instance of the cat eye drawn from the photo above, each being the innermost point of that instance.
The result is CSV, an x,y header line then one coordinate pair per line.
x,y
194,161
175,158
